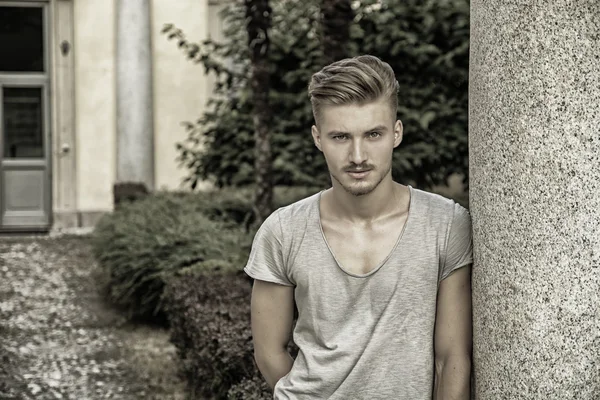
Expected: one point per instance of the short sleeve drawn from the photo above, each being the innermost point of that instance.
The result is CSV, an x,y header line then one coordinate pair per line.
x,y
459,248
266,261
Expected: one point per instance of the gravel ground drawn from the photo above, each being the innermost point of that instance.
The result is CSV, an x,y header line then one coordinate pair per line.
x,y
60,340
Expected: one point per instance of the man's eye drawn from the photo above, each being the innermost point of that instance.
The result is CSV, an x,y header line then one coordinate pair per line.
x,y
339,137
374,134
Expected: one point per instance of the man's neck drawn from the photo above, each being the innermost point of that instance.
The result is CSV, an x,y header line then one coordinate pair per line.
x,y
379,204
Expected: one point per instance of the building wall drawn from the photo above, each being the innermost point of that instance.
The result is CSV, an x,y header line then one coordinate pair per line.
x,y
180,91
180,87
95,105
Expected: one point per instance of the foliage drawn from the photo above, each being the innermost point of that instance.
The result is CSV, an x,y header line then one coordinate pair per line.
x,y
225,131
255,388
336,18
143,242
209,317
427,44
233,204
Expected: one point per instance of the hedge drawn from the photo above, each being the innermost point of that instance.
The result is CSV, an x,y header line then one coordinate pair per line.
x,y
209,315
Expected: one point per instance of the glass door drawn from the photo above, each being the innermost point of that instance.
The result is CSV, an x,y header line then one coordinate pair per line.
x,y
25,190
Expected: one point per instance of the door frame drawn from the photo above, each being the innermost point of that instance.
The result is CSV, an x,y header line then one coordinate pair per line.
x,y
33,79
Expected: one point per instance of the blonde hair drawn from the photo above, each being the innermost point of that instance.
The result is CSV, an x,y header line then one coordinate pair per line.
x,y
358,80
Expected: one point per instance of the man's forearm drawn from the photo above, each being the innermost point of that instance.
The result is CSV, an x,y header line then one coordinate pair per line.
x,y
274,366
452,379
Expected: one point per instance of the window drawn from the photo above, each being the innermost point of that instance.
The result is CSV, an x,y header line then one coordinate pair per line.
x,y
23,123
21,39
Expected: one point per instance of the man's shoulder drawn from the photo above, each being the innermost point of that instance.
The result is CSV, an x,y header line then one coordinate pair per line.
x,y
434,200
298,209
436,210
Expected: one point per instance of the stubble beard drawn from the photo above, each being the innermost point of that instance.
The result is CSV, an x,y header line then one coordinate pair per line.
x,y
360,189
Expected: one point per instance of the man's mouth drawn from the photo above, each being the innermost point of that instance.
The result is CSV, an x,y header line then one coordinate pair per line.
x,y
358,173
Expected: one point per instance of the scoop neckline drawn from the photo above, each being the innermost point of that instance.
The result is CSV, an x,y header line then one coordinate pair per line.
x,y
385,260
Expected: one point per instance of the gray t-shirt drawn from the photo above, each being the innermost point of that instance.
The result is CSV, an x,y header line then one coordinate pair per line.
x,y
363,336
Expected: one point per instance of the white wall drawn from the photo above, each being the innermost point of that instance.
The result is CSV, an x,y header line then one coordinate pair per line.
x,y
180,86
95,105
180,91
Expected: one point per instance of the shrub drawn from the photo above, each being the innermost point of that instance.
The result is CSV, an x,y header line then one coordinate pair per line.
x,y
128,191
209,314
250,389
143,242
234,204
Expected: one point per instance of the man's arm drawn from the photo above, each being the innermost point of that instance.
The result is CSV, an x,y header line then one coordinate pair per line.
x,y
272,314
453,337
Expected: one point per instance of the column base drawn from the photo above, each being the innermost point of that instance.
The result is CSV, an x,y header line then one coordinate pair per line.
x,y
64,220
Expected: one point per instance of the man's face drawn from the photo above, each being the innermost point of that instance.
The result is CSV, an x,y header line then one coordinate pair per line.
x,y
357,142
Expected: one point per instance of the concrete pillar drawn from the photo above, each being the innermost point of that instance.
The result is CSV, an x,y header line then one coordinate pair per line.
x,y
135,143
534,111
64,160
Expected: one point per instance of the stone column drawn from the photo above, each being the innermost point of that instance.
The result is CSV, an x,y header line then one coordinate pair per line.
x,y
534,111
135,144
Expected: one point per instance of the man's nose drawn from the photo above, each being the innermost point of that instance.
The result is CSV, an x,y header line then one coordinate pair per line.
x,y
358,155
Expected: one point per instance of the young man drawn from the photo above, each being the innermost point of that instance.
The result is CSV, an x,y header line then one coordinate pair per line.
x,y
379,271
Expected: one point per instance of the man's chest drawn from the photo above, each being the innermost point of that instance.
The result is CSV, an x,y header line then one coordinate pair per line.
x,y
327,294
360,250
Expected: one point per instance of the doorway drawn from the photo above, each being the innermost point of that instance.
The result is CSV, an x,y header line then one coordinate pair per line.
x,y
25,165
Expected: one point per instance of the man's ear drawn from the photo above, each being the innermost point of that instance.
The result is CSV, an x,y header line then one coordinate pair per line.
x,y
398,131
316,136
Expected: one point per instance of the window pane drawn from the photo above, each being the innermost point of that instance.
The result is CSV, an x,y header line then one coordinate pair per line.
x,y
23,123
21,39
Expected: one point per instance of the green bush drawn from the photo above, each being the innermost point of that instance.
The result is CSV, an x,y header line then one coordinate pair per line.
x,y
255,388
209,318
143,242
234,204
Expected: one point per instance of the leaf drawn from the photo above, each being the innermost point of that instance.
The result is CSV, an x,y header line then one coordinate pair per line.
x,y
426,118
